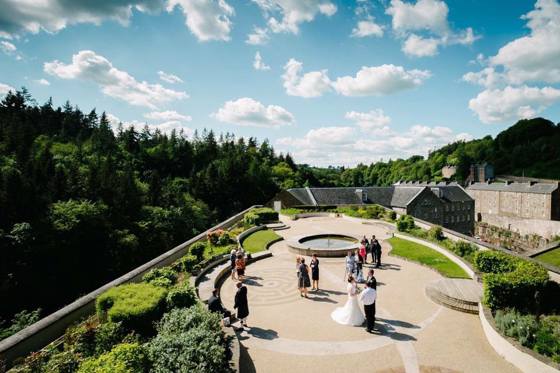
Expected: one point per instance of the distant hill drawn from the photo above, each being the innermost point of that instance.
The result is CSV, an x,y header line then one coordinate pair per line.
x,y
531,147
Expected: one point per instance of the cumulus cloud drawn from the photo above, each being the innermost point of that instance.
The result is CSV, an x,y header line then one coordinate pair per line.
x,y
259,36
248,112
380,80
430,18
206,19
169,78
311,84
9,49
418,46
512,103
169,115
5,88
164,127
54,15
373,121
341,145
87,65
42,81
258,63
367,28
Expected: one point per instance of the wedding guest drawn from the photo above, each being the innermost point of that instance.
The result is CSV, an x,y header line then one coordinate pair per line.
x,y
303,280
359,267
241,303
376,246
240,267
372,249
364,241
363,253
314,272
350,264
215,304
371,278
368,298
232,259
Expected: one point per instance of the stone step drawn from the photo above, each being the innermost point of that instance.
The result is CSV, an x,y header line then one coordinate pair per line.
x,y
452,303
277,226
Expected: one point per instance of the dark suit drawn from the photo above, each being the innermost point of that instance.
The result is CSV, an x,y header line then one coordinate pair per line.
x,y
241,303
215,305
369,311
376,247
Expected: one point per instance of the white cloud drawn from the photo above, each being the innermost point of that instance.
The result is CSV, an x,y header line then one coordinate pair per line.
x,y
367,28
42,81
424,15
373,121
7,47
325,146
535,57
293,13
418,46
165,127
4,88
259,36
487,77
248,112
87,65
512,103
258,63
169,78
167,116
206,19
311,84
380,80
54,15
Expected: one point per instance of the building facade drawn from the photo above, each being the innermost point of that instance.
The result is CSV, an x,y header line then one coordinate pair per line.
x,y
445,204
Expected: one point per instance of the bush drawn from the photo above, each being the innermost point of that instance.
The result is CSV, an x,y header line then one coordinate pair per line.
x,y
137,306
405,223
181,297
123,358
81,339
108,335
510,282
164,277
197,250
436,233
63,362
219,237
464,249
260,216
390,215
188,340
521,327
186,263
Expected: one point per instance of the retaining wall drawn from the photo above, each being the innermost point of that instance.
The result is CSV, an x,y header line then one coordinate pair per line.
x,y
46,330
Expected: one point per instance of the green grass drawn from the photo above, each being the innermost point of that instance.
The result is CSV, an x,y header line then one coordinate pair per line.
x,y
257,241
424,255
550,257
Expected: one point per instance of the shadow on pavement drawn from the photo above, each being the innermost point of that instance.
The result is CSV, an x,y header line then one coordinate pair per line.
x,y
256,332
246,363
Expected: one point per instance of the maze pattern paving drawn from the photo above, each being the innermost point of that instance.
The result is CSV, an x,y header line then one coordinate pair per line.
x,y
271,287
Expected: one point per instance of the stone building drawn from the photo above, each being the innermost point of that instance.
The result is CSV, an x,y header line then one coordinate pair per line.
x,y
480,173
445,204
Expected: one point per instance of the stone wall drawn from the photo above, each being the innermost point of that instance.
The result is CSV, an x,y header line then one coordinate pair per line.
x,y
544,228
522,244
513,204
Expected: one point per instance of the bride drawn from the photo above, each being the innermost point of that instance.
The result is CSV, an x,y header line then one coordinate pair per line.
x,y
351,313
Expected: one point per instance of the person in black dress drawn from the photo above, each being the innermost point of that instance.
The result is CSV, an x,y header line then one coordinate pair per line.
x,y
303,279
314,272
241,303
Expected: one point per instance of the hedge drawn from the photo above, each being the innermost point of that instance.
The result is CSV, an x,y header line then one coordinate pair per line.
x,y
164,277
123,358
136,306
405,223
260,216
181,297
510,282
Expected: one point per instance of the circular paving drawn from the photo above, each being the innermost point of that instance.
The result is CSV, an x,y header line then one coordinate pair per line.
x,y
271,287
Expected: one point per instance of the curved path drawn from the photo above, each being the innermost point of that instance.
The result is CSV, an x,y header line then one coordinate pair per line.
x,y
290,333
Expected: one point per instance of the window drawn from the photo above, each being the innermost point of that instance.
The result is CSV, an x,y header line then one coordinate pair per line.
x,y
468,217
452,219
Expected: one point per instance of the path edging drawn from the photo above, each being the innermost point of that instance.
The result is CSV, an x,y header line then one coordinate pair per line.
x,y
523,360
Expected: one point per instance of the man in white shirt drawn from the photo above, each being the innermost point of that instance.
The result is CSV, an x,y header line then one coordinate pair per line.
x,y
368,298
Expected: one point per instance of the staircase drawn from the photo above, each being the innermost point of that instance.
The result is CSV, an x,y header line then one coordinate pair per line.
x,y
456,294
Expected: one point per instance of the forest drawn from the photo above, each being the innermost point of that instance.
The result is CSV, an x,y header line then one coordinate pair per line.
x,y
82,202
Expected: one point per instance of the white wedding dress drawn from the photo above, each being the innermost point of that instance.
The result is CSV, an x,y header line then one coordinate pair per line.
x,y
351,313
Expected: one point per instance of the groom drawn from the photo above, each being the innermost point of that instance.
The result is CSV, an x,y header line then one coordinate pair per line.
x,y
368,297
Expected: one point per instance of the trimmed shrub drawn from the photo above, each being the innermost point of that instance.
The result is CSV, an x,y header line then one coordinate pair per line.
x,y
219,237
405,223
186,263
260,216
164,277
197,249
123,358
181,297
136,306
510,282
464,249
390,215
436,233
188,340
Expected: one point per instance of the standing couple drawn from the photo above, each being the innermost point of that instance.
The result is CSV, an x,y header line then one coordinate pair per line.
x,y
351,313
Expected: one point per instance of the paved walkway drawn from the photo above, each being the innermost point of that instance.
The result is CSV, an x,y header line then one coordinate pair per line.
x,y
289,333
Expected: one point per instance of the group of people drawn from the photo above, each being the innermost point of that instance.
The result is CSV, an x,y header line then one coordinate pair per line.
x,y
303,272
351,313
356,260
237,262
241,304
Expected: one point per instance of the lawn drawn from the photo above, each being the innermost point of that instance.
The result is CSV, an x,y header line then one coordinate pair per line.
x,y
258,240
550,257
424,255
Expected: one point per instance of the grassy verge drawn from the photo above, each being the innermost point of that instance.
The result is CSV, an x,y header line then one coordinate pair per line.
x,y
550,257
257,241
425,255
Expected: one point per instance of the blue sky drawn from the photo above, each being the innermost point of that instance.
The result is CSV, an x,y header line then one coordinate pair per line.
x,y
336,82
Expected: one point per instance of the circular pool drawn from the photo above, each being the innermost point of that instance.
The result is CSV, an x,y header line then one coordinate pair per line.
x,y
324,245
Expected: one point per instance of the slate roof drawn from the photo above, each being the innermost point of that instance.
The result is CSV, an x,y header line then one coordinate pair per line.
x,y
379,195
336,196
302,195
540,188
403,195
449,191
